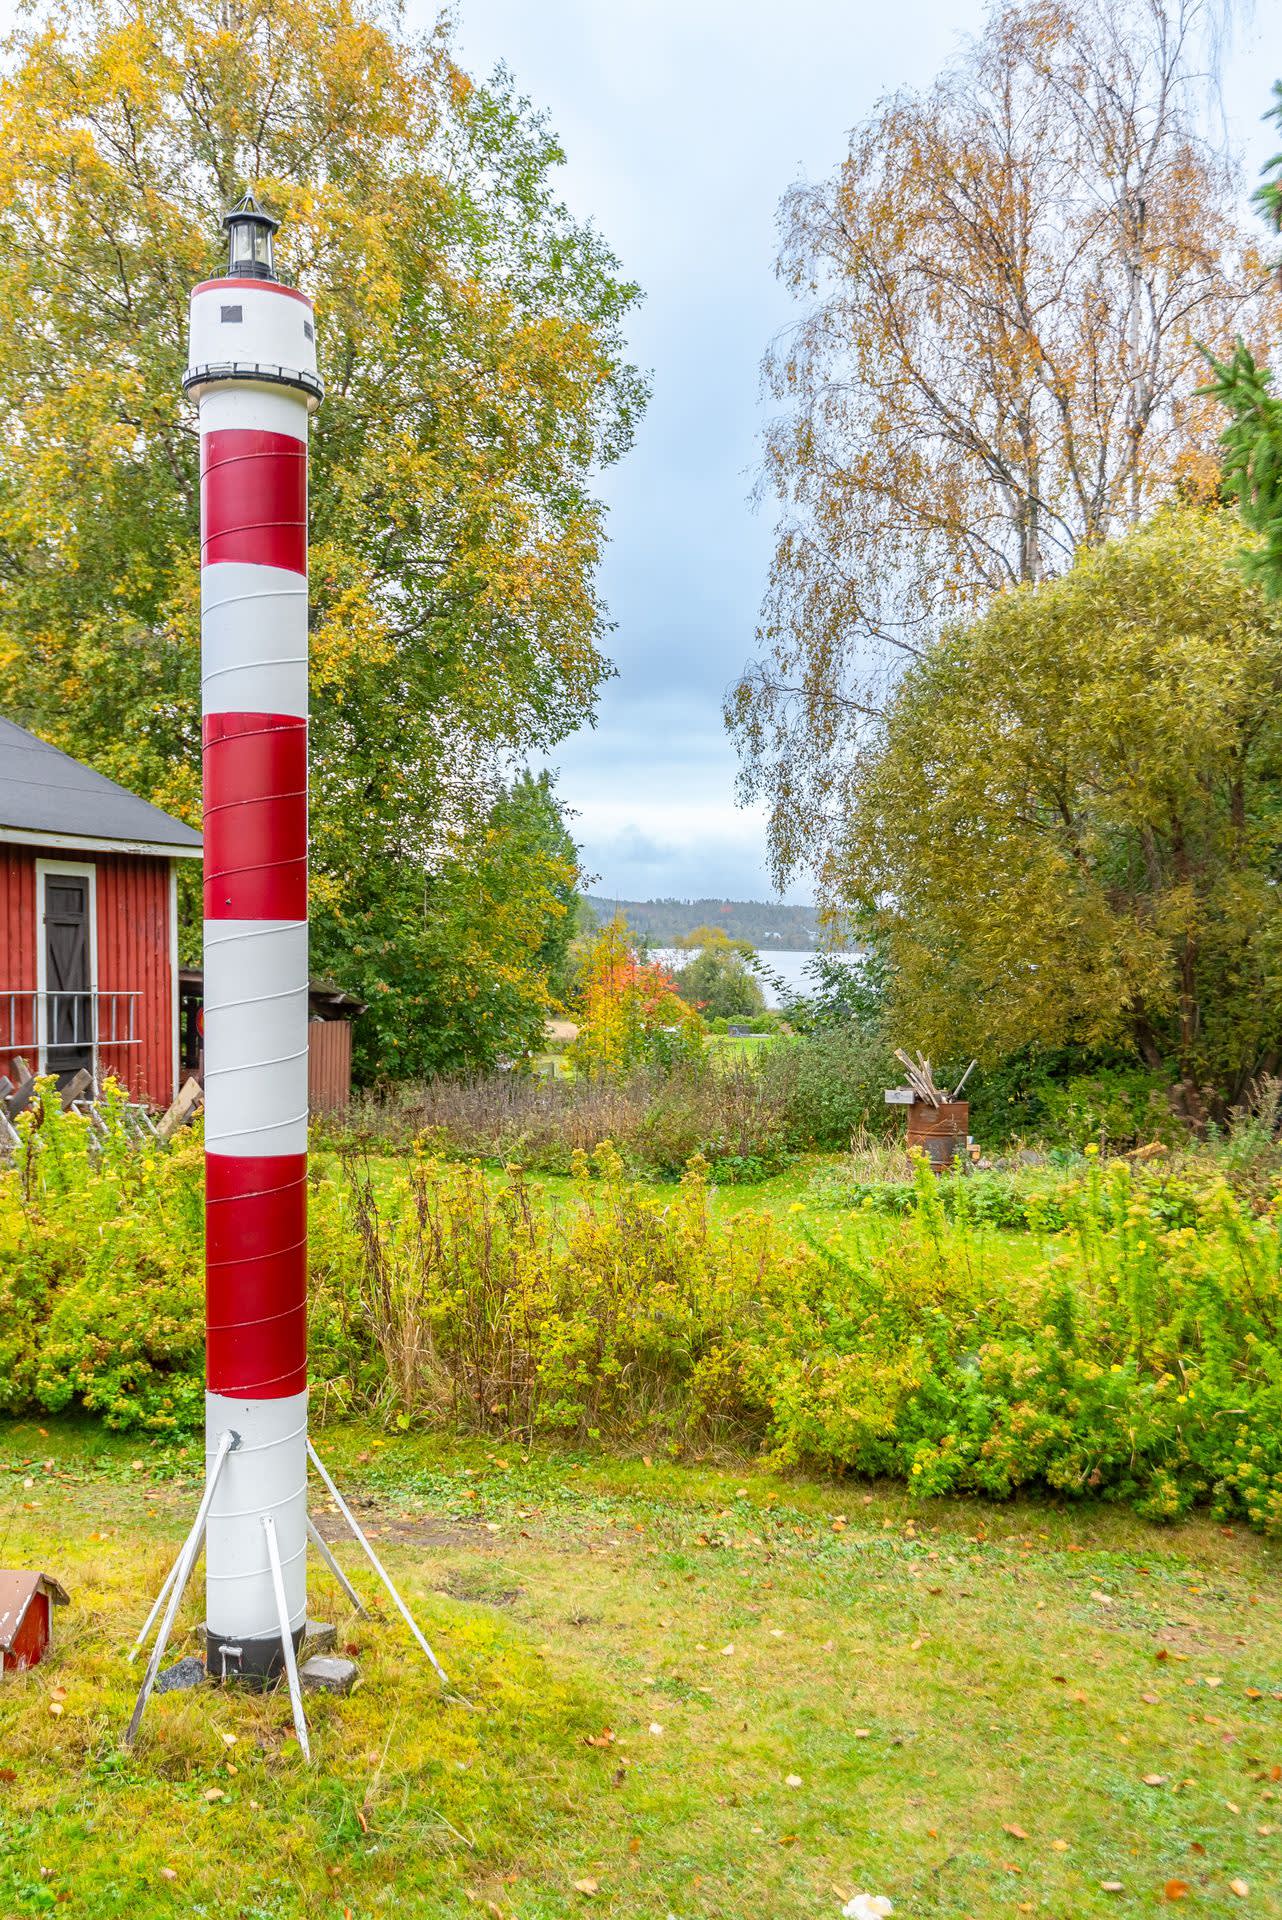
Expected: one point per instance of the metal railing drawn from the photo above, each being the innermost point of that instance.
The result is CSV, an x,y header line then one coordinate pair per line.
x,y
53,1025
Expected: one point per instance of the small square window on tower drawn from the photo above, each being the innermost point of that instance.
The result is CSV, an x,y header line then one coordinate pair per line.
x,y
232,314
309,330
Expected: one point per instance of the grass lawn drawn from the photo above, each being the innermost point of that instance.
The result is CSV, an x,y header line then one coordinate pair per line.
x,y
693,1692
792,1196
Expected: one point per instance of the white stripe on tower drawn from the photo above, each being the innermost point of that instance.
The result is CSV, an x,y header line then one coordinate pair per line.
x,y
252,371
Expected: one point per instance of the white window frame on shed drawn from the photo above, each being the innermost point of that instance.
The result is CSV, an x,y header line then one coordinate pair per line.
x,y
78,869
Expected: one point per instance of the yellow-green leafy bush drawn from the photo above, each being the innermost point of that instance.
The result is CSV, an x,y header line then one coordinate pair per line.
x,y
101,1271
100,1289
1117,1347
621,1314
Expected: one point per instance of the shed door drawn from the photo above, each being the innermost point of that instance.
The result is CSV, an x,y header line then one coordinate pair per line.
x,y
68,999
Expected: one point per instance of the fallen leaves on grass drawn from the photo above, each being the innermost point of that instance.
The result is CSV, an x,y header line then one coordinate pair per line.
x,y
586,1887
1016,1833
1176,1890
1240,1887
603,1739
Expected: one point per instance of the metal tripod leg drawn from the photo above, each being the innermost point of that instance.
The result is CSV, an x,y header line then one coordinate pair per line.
x,y
157,1603
322,1547
287,1637
374,1561
178,1586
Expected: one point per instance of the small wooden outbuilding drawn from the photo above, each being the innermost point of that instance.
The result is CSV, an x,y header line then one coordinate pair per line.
x,y
331,1014
27,1601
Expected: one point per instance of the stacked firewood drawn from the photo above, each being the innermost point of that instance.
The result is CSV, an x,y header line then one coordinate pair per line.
x,y
139,1122
922,1080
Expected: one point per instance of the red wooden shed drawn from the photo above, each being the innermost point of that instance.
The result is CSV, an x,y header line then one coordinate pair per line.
x,y
88,922
27,1601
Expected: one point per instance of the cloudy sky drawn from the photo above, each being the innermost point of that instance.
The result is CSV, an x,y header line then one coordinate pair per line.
x,y
683,123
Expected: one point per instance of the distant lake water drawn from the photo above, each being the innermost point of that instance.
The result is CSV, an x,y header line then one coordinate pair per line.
x,y
789,967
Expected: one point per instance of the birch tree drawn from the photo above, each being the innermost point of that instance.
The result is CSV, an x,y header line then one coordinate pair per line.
x,y
1005,287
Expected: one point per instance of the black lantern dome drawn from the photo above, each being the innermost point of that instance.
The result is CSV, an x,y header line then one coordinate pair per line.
x,y
249,241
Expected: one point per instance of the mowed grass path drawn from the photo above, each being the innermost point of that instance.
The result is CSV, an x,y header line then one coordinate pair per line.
x,y
693,1692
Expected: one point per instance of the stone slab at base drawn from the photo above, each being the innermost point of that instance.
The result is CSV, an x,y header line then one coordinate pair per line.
x,y
327,1673
187,1672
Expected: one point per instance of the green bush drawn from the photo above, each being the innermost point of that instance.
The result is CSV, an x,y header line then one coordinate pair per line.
x,y
1138,1360
1036,1096
1029,1199
101,1272
830,1085
101,1299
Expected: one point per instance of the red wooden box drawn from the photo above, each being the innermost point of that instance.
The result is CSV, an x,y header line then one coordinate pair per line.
x,y
27,1601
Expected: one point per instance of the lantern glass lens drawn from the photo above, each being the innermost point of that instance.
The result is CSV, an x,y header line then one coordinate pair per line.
x,y
251,249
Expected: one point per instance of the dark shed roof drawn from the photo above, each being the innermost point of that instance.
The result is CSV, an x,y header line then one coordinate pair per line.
x,y
50,796
326,1000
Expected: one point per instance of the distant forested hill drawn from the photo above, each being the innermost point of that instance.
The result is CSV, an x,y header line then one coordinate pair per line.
x,y
665,922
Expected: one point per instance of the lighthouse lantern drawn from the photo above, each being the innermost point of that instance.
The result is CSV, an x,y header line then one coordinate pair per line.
x,y
249,241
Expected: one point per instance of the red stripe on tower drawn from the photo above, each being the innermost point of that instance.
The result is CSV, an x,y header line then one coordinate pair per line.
x,y
256,1274
255,779
253,498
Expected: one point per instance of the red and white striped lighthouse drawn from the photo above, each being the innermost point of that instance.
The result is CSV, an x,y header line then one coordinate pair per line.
x,y
252,373
252,370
